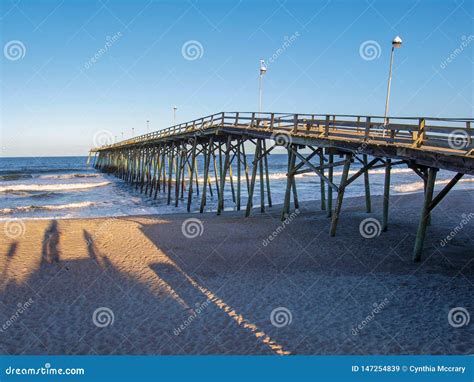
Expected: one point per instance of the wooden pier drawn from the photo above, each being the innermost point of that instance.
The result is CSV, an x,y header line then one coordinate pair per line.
x,y
166,162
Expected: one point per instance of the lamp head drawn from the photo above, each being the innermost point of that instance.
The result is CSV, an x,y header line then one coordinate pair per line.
x,y
397,42
263,67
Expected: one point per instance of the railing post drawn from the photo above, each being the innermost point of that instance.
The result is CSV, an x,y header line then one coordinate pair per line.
x,y
236,119
421,135
295,123
272,121
223,119
309,126
253,120
391,133
469,132
367,128
326,126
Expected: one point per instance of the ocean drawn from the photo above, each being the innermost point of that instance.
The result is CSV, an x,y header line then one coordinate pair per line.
x,y
65,187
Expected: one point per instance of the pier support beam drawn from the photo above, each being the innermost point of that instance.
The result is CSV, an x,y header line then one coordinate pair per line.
x,y
429,204
322,185
223,173
207,161
267,174
421,233
331,179
193,164
262,184
368,203
340,195
254,176
289,182
386,194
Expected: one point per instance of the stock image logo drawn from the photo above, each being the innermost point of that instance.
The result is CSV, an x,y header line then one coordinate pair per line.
x,y
281,317
370,228
14,228
103,317
281,139
103,138
370,50
459,139
192,50
192,228
14,50
458,317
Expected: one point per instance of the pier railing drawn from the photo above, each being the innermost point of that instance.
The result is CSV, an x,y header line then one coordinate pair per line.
x,y
158,161
455,135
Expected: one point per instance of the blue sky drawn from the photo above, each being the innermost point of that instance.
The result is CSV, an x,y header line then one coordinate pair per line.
x,y
55,99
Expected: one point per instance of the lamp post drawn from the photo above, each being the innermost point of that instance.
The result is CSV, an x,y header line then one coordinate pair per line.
x,y
263,70
147,126
122,135
133,132
174,114
396,43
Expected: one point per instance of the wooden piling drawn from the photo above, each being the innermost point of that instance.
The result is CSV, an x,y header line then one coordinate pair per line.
x,y
267,175
386,194
239,142
421,233
289,182
252,182
193,164
322,185
331,179
368,203
207,160
340,195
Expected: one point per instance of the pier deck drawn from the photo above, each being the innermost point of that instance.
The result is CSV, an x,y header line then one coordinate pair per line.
x,y
165,161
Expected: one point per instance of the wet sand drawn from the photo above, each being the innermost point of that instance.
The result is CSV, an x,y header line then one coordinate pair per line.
x,y
232,290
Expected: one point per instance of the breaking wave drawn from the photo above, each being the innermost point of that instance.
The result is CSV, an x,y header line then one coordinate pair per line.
x,y
419,186
47,208
51,187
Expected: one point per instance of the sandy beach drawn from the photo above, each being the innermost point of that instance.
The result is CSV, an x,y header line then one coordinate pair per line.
x,y
139,285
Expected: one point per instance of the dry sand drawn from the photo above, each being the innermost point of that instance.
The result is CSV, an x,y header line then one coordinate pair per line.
x,y
221,287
